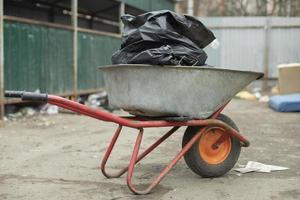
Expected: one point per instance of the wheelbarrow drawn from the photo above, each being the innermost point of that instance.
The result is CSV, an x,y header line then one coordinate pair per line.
x,y
173,97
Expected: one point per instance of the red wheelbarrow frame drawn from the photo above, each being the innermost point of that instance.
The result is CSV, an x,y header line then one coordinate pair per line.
x,y
139,124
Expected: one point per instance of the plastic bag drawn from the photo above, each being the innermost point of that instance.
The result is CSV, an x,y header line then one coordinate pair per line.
x,y
163,38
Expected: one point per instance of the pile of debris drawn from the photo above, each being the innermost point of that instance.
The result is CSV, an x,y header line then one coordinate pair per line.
x,y
284,96
254,95
288,99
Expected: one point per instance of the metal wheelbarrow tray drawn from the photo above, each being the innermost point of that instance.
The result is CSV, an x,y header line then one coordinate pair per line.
x,y
173,90
210,146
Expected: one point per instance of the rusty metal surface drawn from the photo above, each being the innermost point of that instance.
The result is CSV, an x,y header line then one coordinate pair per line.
x,y
173,90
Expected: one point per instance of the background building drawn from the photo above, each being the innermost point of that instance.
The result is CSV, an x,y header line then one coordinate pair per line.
x,y
283,8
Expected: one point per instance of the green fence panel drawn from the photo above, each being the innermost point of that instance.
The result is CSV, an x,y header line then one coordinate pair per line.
x,y
37,57
151,5
40,57
94,50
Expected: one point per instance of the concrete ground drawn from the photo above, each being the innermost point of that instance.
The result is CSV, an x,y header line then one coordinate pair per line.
x,y
57,157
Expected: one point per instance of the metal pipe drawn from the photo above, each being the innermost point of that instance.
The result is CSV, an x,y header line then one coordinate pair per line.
x,y
1,63
190,7
266,51
140,157
101,115
121,12
107,154
75,46
165,171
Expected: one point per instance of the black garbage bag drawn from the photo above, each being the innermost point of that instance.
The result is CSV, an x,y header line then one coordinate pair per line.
x,y
163,38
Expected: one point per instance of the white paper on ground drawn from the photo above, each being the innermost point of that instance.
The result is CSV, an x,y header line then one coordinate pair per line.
x,y
253,166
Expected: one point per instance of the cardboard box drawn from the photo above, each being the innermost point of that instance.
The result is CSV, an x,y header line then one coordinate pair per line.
x,y
289,78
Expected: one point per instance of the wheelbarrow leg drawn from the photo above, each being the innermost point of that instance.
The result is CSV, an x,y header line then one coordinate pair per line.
x,y
166,170
107,154
140,157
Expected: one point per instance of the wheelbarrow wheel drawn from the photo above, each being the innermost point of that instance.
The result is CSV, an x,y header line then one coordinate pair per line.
x,y
207,161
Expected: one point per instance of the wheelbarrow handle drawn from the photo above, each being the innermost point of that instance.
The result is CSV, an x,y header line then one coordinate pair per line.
x,y
13,94
27,96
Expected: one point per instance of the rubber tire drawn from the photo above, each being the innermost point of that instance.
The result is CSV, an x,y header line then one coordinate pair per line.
x,y
198,165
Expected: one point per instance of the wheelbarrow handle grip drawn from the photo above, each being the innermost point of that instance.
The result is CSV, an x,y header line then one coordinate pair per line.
x,y
27,96
31,96
13,94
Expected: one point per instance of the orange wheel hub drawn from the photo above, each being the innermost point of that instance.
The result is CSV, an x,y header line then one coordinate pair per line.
x,y
214,155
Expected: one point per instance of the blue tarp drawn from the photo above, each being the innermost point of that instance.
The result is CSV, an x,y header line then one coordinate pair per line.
x,y
285,103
